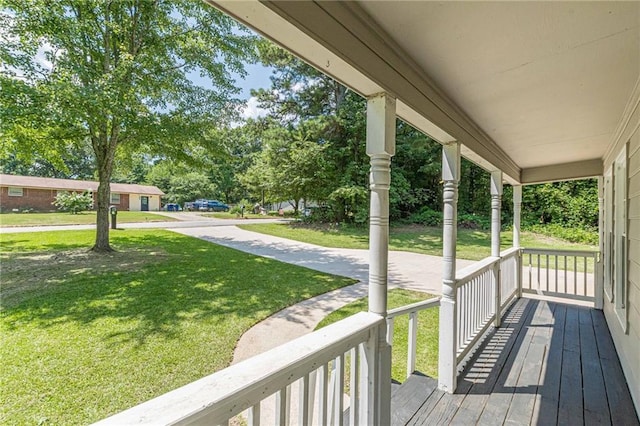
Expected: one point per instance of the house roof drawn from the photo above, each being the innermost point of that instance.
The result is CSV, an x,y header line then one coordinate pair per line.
x,y
540,90
75,185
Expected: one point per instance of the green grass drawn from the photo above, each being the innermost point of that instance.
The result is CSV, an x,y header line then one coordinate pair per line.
x,y
84,218
472,244
85,336
427,347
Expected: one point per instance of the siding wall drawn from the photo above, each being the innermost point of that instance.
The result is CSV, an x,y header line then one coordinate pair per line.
x,y
628,345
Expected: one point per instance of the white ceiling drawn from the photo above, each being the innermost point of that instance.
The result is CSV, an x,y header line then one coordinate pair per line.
x,y
547,81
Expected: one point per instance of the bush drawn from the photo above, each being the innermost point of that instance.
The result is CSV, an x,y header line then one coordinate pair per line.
x,y
74,202
574,235
237,209
473,221
427,217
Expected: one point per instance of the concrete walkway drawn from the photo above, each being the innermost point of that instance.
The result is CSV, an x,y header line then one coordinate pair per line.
x,y
407,270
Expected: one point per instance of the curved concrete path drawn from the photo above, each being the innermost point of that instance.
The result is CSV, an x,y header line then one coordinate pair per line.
x,y
406,270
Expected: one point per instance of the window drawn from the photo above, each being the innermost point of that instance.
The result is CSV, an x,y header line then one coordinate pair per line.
x,y
15,192
115,198
608,234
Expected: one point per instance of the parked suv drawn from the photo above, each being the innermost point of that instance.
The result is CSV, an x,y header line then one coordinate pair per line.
x,y
207,206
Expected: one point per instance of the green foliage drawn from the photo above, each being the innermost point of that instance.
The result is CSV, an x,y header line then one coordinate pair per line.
x,y
189,187
574,235
74,202
427,217
115,74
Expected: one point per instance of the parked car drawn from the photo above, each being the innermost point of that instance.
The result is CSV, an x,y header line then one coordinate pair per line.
x,y
206,206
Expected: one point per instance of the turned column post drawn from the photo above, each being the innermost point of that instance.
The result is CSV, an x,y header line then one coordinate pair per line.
x,y
447,365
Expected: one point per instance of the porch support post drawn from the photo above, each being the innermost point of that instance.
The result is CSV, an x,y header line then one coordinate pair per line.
x,y
447,365
496,204
517,209
598,302
381,144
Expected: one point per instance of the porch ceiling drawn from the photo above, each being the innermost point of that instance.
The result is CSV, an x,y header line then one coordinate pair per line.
x,y
527,87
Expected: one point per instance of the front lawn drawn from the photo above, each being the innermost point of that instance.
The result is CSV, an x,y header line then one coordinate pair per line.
x,y
84,218
472,244
427,341
85,336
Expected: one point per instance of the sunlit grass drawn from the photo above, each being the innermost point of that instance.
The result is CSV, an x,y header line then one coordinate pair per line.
x,y
85,336
427,348
471,244
84,218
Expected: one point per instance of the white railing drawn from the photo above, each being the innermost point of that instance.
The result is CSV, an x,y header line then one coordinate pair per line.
x,y
510,275
315,362
475,300
412,337
560,273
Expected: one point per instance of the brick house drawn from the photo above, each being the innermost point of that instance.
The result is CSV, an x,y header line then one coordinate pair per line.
x,y
37,193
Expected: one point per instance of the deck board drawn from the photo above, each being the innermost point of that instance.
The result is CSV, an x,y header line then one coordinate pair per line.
x,y
550,363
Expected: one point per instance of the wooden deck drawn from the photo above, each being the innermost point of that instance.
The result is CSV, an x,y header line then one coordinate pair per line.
x,y
549,363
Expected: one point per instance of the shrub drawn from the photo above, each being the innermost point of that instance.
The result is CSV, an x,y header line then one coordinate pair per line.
x,y
473,221
574,235
427,217
74,202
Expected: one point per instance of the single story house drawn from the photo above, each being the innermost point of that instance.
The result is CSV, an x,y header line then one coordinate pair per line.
x,y
38,193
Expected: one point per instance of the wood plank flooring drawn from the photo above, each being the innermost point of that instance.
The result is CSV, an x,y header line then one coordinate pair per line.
x,y
550,363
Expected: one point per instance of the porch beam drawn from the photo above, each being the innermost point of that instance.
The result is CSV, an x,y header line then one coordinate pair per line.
x,y
496,207
447,366
558,172
381,145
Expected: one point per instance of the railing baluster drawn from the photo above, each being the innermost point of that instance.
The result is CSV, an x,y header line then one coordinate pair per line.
x,y
413,337
339,391
282,406
303,401
557,290
322,394
585,274
538,286
565,275
354,391
254,415
575,274
547,268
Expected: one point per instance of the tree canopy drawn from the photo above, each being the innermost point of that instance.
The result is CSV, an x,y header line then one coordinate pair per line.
x,y
115,75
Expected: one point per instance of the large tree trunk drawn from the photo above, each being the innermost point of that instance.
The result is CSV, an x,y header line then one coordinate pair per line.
x,y
102,223
104,149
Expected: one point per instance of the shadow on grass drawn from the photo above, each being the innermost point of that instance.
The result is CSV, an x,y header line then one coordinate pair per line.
x,y
192,281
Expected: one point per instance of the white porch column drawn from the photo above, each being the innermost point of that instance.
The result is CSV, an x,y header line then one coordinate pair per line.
x,y
381,144
496,207
598,302
517,212
447,366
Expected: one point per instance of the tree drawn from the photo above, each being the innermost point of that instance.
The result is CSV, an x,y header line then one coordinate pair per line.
x,y
114,73
73,202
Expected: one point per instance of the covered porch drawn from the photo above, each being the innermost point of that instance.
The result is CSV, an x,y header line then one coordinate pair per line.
x,y
549,363
543,110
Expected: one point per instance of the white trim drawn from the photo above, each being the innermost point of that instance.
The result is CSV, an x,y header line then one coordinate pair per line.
x,y
621,241
607,234
625,120
17,191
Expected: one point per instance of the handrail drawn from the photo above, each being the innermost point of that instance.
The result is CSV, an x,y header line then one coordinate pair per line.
x,y
216,398
414,307
412,338
470,272
555,252
513,251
